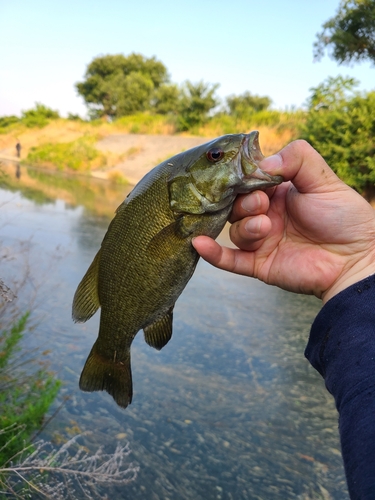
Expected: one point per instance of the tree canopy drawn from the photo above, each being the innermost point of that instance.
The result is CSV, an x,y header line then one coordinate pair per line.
x,y
117,85
350,34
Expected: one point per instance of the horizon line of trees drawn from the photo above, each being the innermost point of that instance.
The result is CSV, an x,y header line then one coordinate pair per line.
x,y
339,121
119,85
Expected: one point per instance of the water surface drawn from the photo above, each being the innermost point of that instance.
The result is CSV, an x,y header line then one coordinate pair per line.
x,y
229,409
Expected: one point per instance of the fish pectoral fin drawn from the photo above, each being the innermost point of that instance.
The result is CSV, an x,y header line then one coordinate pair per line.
x,y
86,299
180,229
111,375
159,333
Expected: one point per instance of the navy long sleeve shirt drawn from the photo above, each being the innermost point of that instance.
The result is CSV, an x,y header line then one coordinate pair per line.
x,y
342,348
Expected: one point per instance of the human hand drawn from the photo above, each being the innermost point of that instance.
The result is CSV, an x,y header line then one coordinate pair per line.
x,y
312,234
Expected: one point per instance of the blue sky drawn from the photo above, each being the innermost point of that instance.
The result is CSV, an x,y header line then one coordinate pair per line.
x,y
265,47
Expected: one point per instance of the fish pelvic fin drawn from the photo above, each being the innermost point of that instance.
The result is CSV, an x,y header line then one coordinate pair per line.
x,y
86,299
159,333
111,375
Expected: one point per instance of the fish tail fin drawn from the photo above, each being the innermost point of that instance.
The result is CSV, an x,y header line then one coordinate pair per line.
x,y
103,374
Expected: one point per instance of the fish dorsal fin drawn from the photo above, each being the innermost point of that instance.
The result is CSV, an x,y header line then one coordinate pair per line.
x,y
159,333
86,299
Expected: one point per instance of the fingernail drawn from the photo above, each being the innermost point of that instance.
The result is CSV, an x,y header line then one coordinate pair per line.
x,y
272,163
251,203
252,226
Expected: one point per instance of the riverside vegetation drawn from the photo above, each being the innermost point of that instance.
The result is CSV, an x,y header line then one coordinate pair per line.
x,y
31,467
338,121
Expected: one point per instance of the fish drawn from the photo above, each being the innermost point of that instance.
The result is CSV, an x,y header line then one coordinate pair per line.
x,y
146,257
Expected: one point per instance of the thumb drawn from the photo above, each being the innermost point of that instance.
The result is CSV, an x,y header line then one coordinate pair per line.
x,y
301,164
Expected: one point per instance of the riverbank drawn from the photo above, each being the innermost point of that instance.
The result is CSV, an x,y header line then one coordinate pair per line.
x,y
121,155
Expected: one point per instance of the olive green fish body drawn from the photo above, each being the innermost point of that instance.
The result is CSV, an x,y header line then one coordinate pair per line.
x,y
146,257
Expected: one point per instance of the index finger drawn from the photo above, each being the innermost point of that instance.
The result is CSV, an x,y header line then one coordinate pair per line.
x,y
248,205
229,259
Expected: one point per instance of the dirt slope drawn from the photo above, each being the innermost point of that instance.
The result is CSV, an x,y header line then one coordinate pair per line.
x,y
142,152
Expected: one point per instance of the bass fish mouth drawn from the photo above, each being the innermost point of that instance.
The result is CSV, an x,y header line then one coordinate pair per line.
x,y
254,177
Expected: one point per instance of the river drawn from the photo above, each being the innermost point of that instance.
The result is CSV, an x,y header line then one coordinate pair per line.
x,y
230,409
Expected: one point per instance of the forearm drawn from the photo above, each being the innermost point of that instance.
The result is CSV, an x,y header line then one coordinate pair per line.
x,y
342,348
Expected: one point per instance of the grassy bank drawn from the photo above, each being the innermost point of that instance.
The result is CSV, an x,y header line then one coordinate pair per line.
x,y
69,145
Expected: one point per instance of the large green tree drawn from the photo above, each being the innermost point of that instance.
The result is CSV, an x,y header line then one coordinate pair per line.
x,y
118,85
350,34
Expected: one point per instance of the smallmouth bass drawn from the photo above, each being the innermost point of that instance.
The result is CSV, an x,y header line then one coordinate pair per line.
x,y
146,257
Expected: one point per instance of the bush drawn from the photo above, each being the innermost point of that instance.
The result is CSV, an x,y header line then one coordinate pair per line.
x,y
39,117
79,155
343,130
7,121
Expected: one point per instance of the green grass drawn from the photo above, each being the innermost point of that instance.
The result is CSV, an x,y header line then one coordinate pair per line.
x,y
79,155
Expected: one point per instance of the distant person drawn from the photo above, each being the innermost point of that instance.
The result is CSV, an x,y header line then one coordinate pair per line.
x,y
315,235
18,149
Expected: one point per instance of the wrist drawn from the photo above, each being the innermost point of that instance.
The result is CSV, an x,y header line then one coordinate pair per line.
x,y
358,271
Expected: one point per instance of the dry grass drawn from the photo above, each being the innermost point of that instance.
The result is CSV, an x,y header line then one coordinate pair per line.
x,y
272,140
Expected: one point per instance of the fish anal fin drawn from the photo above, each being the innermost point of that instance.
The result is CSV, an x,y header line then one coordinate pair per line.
x,y
159,333
104,374
86,299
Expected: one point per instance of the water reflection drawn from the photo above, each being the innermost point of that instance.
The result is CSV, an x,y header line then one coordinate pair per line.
x,y
229,409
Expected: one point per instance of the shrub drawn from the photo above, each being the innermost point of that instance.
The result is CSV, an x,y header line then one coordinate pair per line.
x,y
7,121
342,130
24,397
39,116
79,155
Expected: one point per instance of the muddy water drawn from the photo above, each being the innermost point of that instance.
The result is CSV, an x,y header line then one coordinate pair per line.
x,y
229,409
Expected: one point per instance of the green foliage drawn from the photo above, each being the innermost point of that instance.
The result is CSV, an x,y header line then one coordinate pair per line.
x,y
7,121
39,117
331,93
79,155
350,33
195,103
24,396
116,85
341,126
165,99
244,105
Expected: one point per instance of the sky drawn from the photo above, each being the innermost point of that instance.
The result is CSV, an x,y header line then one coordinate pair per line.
x,y
264,47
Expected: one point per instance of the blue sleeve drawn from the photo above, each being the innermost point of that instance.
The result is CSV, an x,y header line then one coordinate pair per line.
x,y
342,348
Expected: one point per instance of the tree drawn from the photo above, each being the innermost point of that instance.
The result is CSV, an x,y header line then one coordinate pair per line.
x,y
116,85
195,102
166,98
332,93
340,124
241,106
350,34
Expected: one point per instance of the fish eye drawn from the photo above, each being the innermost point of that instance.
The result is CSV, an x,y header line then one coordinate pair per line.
x,y
214,155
